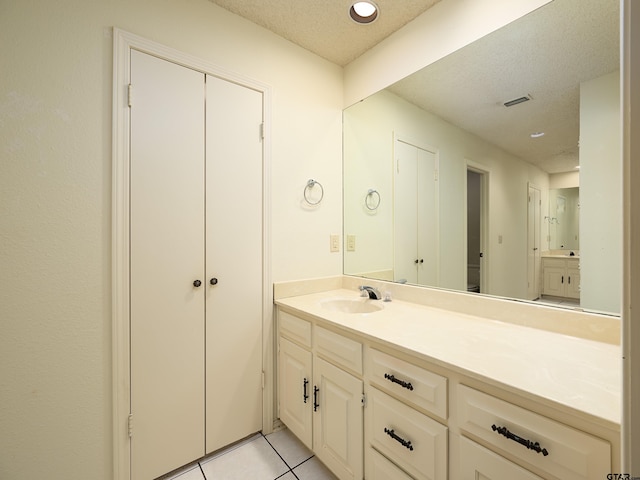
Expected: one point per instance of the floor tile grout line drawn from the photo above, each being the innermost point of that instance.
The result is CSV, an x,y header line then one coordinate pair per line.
x,y
278,453
287,464
202,471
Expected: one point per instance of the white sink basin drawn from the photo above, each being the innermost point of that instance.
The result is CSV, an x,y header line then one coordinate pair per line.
x,y
351,305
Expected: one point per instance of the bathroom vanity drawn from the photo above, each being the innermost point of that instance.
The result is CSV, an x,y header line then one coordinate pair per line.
x,y
418,388
561,275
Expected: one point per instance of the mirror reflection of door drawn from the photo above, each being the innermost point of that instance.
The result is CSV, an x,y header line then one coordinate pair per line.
x,y
533,243
474,231
415,214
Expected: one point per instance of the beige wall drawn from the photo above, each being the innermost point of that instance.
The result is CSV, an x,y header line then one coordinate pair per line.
x,y
55,203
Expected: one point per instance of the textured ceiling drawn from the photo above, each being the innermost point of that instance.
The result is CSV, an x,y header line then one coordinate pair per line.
x,y
545,54
324,27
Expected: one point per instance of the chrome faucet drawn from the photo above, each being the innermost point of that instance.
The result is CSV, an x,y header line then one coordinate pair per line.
x,y
371,292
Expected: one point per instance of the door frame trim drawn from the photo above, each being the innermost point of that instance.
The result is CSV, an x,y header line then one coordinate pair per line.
x,y
123,43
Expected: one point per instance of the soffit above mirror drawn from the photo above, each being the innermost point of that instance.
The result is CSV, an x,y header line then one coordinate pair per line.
x,y
325,28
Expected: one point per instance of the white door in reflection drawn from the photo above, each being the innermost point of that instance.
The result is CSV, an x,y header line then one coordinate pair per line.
x,y
533,244
415,213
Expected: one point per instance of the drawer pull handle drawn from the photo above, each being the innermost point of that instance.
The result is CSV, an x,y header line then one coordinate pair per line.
x,y
535,446
315,398
402,383
305,395
400,440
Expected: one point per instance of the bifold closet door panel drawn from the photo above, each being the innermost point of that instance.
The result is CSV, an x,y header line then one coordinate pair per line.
x,y
405,237
234,260
167,256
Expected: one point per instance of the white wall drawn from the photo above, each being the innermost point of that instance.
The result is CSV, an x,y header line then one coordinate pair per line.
x,y
369,129
600,195
55,203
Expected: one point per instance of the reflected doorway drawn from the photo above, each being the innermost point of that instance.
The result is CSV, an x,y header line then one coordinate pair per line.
x,y
477,186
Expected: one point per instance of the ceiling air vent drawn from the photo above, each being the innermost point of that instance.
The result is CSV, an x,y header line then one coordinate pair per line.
x,y
516,101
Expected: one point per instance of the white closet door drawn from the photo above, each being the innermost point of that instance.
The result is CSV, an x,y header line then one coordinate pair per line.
x,y
427,218
415,215
234,259
405,214
167,252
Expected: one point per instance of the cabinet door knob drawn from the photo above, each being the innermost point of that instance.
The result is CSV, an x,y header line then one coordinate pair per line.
x,y
213,281
197,283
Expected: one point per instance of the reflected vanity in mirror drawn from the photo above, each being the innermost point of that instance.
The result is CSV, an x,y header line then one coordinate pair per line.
x,y
474,162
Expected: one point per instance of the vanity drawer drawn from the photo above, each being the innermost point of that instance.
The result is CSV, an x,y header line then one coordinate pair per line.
x,y
406,436
556,449
339,350
295,328
421,387
378,467
478,462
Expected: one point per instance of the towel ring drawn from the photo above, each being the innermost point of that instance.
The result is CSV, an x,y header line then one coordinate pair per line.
x,y
310,184
372,194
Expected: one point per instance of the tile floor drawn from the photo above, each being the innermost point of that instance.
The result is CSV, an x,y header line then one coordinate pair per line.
x,y
559,301
279,455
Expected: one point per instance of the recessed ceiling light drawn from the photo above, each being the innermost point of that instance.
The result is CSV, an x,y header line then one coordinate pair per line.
x,y
537,134
363,12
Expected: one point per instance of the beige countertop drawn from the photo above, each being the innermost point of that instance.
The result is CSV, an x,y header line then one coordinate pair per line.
x,y
584,375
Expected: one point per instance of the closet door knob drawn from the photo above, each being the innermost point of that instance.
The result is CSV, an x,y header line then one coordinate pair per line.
x,y
197,283
213,281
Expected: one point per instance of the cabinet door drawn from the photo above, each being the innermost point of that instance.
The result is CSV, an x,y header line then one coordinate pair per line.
x,y
554,280
167,256
233,262
573,284
477,462
338,420
295,390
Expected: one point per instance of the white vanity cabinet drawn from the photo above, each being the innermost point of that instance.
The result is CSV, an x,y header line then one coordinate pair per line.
x,y
400,398
561,277
321,393
425,418
536,442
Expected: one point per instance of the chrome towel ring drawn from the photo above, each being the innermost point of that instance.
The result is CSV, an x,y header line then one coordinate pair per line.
x,y
310,184
372,199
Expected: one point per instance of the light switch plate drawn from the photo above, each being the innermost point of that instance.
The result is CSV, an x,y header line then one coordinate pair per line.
x,y
334,245
351,243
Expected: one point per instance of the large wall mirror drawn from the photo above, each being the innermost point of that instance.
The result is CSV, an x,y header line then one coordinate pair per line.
x,y
471,173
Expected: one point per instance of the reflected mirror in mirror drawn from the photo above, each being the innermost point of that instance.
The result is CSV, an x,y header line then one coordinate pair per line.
x,y
468,190
564,220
